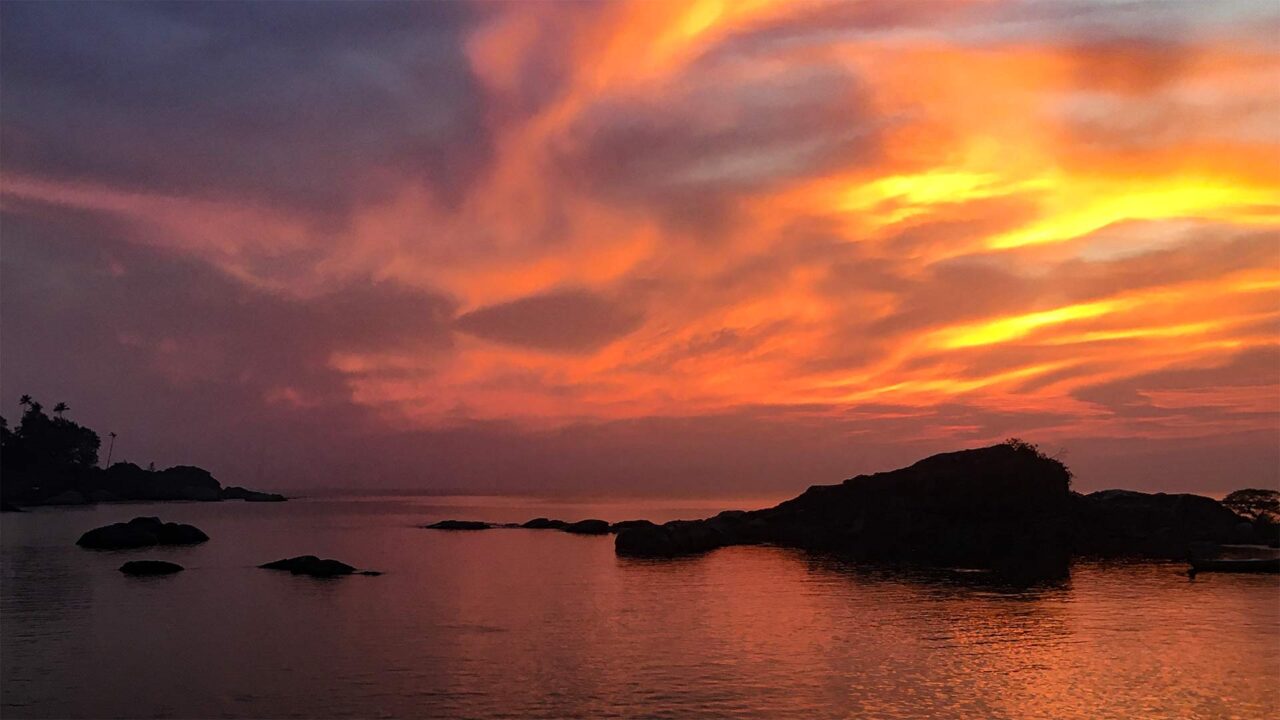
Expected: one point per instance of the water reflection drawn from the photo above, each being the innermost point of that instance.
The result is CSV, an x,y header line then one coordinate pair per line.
x,y
519,623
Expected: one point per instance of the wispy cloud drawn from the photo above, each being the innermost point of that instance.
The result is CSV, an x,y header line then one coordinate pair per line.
x,y
910,223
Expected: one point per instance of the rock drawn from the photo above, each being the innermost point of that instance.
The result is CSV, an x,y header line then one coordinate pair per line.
x,y
150,567
141,532
1004,508
679,537
545,524
238,493
126,481
582,527
625,524
5,506
199,494
459,525
179,534
186,482
1119,523
313,566
647,541
588,527
67,497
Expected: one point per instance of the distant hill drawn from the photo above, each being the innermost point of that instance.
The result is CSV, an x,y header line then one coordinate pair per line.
x,y
54,461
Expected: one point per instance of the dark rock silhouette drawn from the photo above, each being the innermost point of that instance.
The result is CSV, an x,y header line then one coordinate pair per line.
x,y
545,524
315,567
150,567
459,525
238,493
141,532
581,527
588,527
1004,508
53,461
624,524
1124,523
685,537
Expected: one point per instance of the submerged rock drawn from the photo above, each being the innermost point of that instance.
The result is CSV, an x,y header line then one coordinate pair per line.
x,y
459,525
313,566
141,532
150,567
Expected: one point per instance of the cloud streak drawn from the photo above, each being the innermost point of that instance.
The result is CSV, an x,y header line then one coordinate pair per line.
x,y
911,225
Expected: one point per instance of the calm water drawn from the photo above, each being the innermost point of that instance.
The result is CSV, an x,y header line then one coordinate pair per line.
x,y
519,623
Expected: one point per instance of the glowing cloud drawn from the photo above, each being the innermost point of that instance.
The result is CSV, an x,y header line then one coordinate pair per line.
x,y
945,219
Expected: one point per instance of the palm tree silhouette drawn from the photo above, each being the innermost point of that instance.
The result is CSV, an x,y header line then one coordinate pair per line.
x,y
60,408
25,400
111,448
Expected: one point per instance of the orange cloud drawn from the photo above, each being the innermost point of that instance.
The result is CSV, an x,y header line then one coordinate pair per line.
x,y
654,236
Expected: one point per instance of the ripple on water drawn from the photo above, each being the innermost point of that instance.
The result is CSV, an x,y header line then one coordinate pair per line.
x,y
550,625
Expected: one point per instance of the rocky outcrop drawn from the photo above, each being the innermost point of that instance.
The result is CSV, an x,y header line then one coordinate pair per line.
x,y
459,525
128,482
54,461
624,524
150,567
581,527
1004,508
544,524
1124,523
141,532
315,567
238,493
588,527
686,537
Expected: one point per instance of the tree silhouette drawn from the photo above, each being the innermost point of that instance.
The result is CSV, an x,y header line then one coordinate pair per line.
x,y
24,401
1255,504
48,452
53,459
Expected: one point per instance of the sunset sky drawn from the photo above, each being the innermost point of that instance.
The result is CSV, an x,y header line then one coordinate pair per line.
x,y
698,247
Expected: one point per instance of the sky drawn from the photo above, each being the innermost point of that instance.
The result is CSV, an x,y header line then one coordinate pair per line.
x,y
643,248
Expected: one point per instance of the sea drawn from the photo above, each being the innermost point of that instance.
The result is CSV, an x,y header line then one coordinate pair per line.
x,y
513,623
